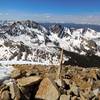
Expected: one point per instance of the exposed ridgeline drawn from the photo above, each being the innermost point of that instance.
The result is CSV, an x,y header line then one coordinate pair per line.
x,y
31,41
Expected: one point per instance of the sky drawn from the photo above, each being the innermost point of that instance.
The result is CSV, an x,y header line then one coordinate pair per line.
x,y
64,11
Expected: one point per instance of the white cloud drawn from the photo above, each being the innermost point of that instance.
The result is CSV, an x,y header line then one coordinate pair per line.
x,y
83,19
46,17
0,14
6,14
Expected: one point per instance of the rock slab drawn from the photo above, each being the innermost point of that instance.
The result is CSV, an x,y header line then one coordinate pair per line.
x,y
47,90
28,81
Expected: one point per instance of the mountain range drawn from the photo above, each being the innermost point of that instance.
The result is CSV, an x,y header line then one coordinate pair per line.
x,y
30,41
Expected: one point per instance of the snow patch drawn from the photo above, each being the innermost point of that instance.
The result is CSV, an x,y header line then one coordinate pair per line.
x,y
5,71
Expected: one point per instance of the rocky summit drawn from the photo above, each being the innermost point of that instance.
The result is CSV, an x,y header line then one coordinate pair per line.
x,y
76,83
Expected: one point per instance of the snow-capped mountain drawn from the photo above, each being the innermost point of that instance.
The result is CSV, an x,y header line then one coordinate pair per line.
x,y
30,41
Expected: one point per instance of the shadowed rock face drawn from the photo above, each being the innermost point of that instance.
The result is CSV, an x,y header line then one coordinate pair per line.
x,y
57,28
31,24
82,60
20,27
91,45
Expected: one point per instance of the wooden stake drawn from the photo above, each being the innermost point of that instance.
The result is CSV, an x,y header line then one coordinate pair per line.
x,y
60,65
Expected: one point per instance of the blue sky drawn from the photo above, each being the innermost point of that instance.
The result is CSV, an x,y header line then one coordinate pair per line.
x,y
81,11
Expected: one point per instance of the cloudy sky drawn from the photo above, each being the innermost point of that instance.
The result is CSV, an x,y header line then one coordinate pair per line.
x,y
64,11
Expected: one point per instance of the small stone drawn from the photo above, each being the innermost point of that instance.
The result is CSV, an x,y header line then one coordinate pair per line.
x,y
47,90
67,81
3,87
8,82
85,85
74,89
5,95
32,72
96,84
82,96
14,91
96,91
28,81
75,98
65,97
15,73
59,82
86,95
93,74
91,95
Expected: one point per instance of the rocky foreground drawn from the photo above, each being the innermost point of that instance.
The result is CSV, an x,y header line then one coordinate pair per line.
x,y
39,82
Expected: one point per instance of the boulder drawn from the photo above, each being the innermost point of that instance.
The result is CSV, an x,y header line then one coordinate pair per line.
x,y
47,90
96,91
28,81
5,95
59,82
87,95
74,89
15,73
65,97
96,84
14,91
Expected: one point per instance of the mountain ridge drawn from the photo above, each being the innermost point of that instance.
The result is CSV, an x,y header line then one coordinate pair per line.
x,y
31,41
